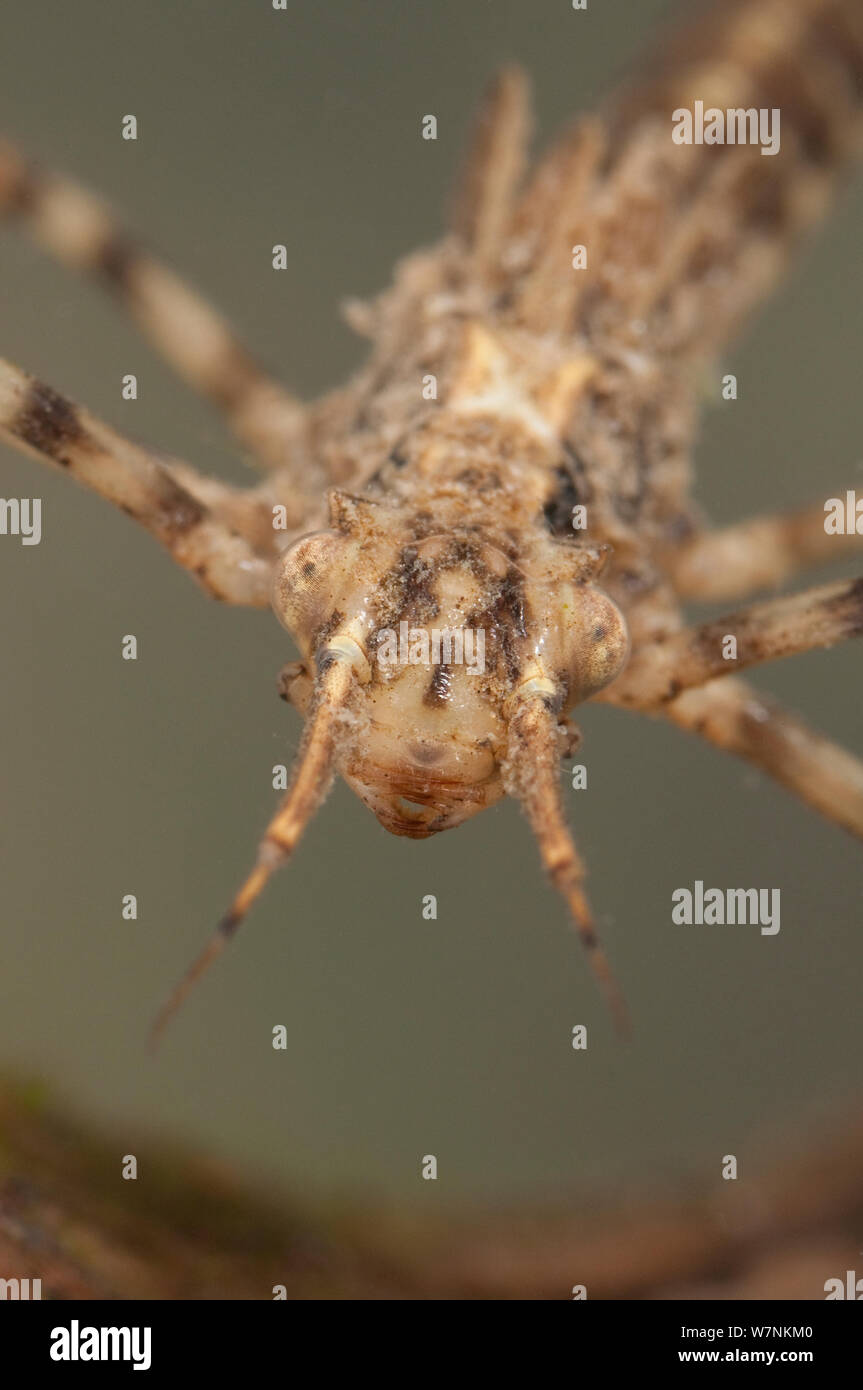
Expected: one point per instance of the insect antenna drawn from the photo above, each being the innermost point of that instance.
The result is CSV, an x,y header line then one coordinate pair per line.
x,y
311,780
533,762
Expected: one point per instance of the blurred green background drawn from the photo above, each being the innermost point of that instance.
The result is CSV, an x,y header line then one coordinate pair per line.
x,y
406,1037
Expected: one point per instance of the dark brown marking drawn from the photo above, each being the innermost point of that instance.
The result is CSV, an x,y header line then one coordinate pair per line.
x,y
834,34
324,660
394,460
48,423
425,753
471,477
422,524
565,495
325,631
439,687
850,605
505,620
410,584
813,126
482,479
636,583
632,492
180,511
229,924
116,260
20,194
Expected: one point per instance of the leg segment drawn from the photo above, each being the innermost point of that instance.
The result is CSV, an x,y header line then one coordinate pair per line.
x,y
739,720
657,674
81,231
246,510
532,776
756,554
37,420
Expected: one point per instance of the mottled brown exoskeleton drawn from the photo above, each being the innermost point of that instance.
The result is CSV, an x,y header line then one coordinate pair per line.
x,y
511,388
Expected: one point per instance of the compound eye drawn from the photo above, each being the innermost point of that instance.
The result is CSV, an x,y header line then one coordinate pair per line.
x,y
303,591
585,642
604,647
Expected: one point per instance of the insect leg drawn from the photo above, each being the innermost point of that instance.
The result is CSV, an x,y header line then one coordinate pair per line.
x,y
533,761
247,510
37,420
737,719
821,617
77,228
755,554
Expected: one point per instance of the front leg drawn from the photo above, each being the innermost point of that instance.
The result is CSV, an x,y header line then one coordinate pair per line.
x,y
37,420
657,673
80,230
757,554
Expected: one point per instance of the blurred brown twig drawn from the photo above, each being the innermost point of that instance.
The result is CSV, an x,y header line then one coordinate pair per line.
x,y
188,1229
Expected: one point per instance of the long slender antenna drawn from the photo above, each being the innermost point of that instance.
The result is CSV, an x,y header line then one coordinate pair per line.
x,y
312,777
532,775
